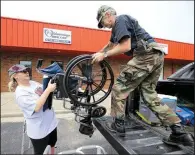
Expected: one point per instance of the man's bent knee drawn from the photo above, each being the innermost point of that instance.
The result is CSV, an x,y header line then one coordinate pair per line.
x,y
166,115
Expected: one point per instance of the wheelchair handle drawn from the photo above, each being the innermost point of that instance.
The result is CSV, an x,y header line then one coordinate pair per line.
x,y
52,80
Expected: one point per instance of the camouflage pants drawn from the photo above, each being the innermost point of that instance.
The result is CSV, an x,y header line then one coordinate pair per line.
x,y
142,70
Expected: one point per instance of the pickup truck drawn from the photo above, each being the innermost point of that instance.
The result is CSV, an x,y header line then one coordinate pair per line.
x,y
143,138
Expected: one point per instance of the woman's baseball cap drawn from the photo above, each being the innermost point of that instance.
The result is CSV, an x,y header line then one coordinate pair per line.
x,y
16,69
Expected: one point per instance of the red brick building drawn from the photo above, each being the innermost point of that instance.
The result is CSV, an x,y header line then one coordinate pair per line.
x,y
24,42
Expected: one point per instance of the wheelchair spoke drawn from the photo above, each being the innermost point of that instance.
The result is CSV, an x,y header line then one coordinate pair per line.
x,y
100,80
79,66
84,93
95,84
98,72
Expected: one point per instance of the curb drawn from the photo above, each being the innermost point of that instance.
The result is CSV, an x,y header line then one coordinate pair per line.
x,y
6,115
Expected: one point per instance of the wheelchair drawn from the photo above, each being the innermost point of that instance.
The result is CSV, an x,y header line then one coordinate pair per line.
x,y
80,84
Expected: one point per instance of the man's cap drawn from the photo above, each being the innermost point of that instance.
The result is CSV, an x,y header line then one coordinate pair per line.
x,y
17,68
101,12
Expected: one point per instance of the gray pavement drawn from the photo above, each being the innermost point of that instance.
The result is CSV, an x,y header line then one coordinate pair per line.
x,y
10,109
69,136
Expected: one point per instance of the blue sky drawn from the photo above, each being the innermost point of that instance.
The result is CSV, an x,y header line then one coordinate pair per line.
x,y
172,20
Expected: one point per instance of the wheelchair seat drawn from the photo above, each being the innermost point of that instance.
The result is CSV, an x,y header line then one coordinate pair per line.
x,y
51,70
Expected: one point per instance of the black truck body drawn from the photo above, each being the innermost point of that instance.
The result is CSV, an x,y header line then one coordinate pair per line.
x,y
142,138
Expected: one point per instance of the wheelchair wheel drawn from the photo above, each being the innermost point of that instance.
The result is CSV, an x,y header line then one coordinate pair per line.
x,y
100,85
70,62
87,85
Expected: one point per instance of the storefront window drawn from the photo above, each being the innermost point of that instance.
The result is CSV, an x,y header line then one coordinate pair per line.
x,y
27,64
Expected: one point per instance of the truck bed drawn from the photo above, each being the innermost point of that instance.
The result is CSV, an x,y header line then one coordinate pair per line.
x,y
140,138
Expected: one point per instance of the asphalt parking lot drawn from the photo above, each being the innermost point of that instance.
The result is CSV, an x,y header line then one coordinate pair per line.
x,y
69,136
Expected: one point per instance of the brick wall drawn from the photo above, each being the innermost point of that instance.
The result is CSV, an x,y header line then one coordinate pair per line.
x,y
171,67
177,66
167,69
10,58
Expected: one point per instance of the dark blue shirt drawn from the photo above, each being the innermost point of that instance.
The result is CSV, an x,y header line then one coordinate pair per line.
x,y
127,26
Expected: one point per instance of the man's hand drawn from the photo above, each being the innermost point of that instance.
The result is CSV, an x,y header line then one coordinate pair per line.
x,y
97,57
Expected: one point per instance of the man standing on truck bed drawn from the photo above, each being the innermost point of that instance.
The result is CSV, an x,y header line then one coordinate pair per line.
x,y
143,70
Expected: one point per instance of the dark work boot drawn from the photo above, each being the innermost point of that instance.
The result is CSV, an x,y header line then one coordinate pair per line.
x,y
179,137
118,126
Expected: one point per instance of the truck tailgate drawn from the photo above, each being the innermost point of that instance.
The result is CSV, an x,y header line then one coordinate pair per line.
x,y
139,139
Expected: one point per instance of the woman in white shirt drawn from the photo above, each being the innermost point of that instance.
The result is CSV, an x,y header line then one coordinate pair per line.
x,y
30,97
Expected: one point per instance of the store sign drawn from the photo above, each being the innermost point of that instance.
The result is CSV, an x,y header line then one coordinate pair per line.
x,y
164,47
56,36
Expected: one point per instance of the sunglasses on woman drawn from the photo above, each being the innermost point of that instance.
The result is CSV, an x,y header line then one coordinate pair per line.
x,y
24,71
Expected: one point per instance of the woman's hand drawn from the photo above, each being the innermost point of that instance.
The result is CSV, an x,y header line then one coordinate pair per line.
x,y
51,86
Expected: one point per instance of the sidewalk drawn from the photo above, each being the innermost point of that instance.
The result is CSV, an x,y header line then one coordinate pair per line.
x,y
10,109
